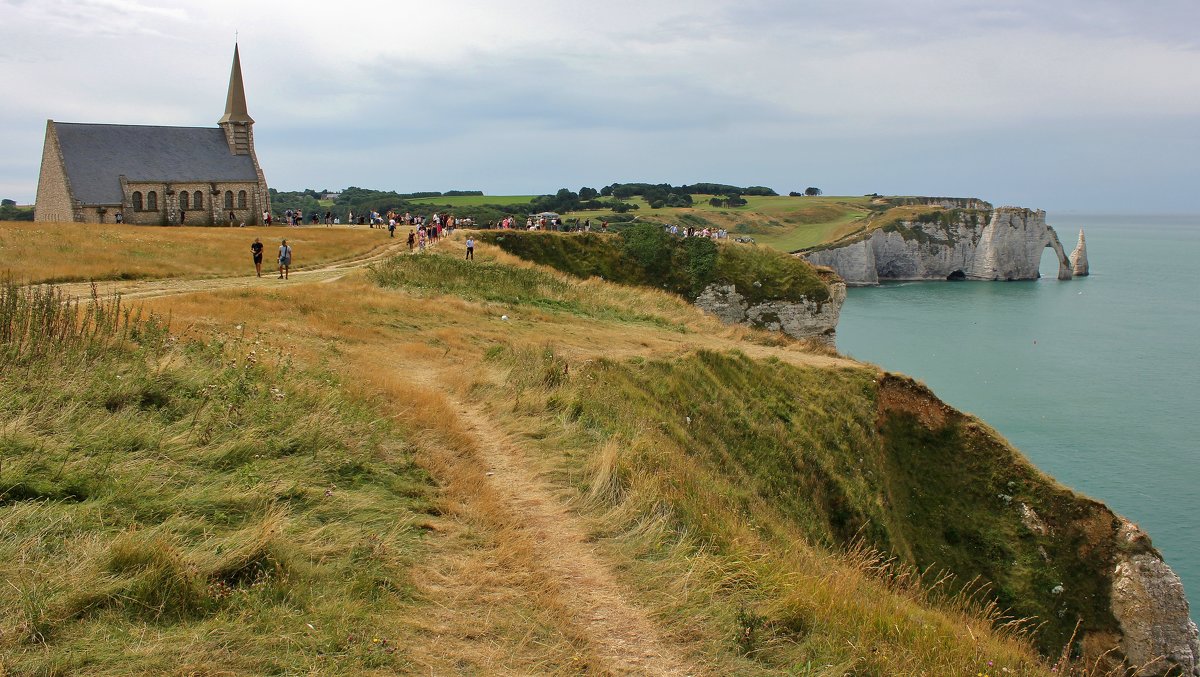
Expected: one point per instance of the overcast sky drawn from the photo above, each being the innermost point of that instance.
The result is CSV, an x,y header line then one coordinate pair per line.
x,y
1082,105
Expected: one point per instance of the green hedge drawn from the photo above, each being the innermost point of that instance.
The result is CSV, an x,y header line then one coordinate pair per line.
x,y
646,255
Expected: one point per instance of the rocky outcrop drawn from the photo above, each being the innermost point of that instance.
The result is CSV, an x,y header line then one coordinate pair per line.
x,y
1086,576
1003,244
1079,262
804,319
1157,633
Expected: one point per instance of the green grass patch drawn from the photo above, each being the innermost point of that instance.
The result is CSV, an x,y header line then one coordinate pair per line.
x,y
808,228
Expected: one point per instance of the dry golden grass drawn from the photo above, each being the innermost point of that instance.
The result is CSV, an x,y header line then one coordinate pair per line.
x,y
78,252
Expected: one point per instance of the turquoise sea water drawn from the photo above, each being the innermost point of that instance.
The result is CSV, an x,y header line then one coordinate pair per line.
x,y
1096,380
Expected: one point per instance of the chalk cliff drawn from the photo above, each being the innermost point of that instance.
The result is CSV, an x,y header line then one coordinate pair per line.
x,y
1157,633
1079,262
1001,244
800,319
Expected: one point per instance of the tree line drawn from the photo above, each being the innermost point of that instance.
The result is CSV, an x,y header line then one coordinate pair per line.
x,y
9,211
614,197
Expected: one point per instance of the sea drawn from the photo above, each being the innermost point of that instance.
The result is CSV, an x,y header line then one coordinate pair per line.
x,y
1096,380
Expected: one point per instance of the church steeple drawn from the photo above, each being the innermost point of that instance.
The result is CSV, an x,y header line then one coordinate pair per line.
x,y
235,101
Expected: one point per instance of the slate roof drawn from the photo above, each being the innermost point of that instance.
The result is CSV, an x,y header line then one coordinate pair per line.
x,y
96,155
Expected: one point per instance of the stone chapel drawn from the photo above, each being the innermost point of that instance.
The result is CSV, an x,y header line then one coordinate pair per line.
x,y
152,175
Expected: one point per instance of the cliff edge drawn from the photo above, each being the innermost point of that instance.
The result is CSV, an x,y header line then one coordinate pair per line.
x,y
960,497
740,284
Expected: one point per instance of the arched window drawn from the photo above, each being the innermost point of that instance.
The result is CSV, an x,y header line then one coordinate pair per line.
x,y
183,200
152,201
241,199
137,200
198,200
229,199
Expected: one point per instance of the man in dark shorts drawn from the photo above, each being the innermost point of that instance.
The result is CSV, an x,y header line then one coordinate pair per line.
x,y
256,249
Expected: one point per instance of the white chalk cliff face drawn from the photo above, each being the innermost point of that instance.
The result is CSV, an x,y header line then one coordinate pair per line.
x,y
1008,246
1158,636
805,319
1079,262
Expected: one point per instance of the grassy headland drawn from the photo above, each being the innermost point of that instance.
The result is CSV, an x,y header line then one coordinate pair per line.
x,y
286,474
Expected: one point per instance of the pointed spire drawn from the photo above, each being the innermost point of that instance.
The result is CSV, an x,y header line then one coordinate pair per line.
x,y
1079,260
235,101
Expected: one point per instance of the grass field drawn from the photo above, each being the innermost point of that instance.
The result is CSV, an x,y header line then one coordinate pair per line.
x,y
373,476
474,200
72,252
784,223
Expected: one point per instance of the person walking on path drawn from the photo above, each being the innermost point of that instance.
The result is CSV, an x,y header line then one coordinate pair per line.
x,y
257,249
470,248
285,260
392,227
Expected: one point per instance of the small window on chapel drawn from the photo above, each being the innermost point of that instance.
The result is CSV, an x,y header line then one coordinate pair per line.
x,y
152,201
183,200
229,199
241,199
198,200
137,200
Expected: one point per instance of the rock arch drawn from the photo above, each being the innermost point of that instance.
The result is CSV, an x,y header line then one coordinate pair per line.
x,y
1064,264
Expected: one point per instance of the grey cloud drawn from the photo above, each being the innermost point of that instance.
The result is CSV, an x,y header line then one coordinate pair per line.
x,y
855,96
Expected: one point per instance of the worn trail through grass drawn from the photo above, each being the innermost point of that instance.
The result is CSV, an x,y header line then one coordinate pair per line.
x,y
621,635
146,289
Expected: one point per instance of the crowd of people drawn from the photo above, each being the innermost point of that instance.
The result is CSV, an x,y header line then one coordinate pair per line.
x,y
431,228
691,231
425,234
549,222
297,218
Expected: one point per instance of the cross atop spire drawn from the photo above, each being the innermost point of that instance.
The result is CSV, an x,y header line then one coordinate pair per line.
x,y
235,101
